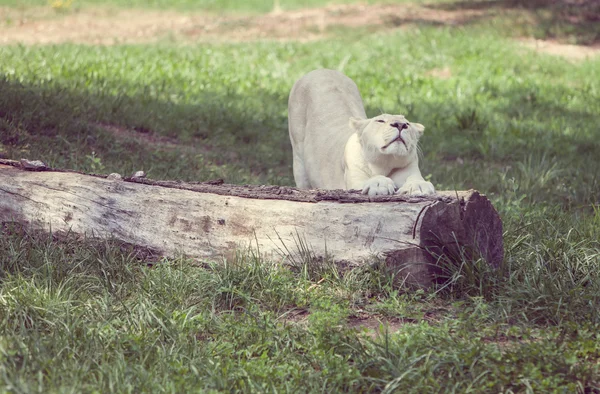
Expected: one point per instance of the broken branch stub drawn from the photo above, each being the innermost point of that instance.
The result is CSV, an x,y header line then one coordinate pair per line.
x,y
414,235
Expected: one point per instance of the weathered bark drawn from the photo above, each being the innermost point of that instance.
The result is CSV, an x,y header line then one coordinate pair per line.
x,y
415,235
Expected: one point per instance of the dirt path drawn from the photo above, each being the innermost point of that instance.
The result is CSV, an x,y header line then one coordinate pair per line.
x,y
573,52
97,26
109,27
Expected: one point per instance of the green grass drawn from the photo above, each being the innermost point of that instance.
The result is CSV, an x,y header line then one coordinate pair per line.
x,y
507,104
249,6
89,315
85,316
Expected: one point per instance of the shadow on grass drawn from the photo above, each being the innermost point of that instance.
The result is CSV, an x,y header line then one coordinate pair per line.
x,y
244,139
578,19
64,127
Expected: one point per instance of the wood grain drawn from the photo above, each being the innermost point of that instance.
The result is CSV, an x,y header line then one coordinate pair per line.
x,y
211,220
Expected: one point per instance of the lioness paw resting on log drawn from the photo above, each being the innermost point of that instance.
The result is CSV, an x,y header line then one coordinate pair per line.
x,y
335,145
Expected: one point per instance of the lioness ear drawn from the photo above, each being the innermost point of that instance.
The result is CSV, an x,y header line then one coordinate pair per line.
x,y
358,124
420,128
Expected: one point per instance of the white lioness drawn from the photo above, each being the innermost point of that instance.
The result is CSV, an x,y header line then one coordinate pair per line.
x,y
336,147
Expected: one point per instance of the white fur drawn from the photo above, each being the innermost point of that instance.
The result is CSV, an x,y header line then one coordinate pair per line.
x,y
335,146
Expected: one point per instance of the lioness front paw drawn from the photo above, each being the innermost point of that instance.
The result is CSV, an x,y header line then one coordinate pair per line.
x,y
379,186
417,188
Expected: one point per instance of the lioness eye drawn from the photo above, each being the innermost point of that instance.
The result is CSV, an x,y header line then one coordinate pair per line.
x,y
380,121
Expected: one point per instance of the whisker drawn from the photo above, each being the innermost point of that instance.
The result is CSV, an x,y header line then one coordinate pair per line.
x,y
419,152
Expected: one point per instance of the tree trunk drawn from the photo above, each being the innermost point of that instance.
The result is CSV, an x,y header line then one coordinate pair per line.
x,y
415,236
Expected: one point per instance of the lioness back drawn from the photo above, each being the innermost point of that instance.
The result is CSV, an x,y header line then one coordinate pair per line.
x,y
319,108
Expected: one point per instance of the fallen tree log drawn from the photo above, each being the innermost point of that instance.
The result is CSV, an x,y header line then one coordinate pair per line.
x,y
415,236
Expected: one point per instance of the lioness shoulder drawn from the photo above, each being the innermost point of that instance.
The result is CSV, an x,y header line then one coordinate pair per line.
x,y
335,145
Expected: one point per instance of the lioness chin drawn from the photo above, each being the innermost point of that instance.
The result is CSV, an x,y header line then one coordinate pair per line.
x,y
335,145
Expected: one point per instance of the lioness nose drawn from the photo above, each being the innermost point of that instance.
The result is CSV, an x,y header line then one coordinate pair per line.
x,y
399,126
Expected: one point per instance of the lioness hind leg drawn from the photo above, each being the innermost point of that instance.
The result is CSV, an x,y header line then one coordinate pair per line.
x,y
300,175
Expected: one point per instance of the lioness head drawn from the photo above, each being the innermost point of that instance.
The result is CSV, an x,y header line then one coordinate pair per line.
x,y
386,135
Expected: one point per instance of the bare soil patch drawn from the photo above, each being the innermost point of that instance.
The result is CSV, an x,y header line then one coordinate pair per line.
x,y
96,26
441,73
372,326
573,52
311,24
107,27
376,327
113,26
144,137
155,141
